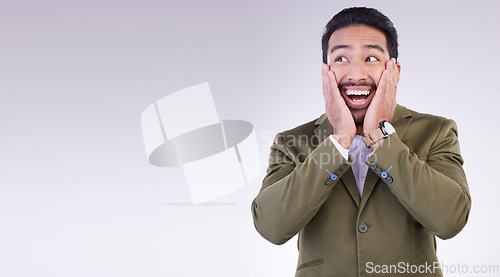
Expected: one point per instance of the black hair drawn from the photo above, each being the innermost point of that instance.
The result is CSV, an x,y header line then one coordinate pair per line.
x,y
361,16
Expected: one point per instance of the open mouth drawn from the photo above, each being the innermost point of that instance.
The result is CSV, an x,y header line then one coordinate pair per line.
x,y
358,97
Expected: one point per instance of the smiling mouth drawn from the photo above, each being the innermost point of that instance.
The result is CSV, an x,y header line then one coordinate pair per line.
x,y
357,95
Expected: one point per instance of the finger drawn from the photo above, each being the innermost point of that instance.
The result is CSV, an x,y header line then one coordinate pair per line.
x,y
388,64
394,77
396,74
383,85
329,80
334,87
331,91
389,77
332,80
387,84
326,85
328,88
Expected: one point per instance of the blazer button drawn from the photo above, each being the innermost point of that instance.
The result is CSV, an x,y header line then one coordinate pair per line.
x,y
378,170
373,165
389,179
363,228
328,181
343,167
338,172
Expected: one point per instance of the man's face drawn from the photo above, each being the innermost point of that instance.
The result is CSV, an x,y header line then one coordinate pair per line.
x,y
357,55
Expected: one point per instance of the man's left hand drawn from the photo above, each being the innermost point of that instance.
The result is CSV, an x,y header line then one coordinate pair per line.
x,y
384,102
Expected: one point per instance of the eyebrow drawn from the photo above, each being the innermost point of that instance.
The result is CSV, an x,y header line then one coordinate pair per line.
x,y
369,46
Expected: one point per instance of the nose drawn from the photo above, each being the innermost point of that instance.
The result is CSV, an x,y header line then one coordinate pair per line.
x,y
357,72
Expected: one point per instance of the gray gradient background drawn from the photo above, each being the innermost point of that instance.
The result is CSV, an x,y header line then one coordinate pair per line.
x,y
77,195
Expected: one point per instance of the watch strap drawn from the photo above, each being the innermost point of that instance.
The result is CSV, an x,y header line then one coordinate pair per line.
x,y
373,137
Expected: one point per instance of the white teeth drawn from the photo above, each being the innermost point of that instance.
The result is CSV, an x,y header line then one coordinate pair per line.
x,y
358,100
357,92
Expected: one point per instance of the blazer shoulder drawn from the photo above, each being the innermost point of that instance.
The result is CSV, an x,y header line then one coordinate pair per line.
x,y
300,139
426,132
431,120
426,116
304,129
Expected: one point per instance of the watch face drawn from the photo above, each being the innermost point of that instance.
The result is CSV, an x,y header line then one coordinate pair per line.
x,y
389,129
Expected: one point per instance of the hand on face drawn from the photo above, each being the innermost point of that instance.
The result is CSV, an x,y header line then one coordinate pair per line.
x,y
384,102
365,93
339,115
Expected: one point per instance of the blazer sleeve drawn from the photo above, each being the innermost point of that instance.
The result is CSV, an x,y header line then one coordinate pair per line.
x,y
293,191
433,190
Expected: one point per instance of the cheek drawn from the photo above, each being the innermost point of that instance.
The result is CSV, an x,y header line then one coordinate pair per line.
x,y
339,74
376,74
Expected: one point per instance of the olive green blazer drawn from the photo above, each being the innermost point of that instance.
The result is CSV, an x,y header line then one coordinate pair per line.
x,y
415,189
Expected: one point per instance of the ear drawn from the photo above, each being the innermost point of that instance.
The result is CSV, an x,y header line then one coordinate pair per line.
x,y
398,67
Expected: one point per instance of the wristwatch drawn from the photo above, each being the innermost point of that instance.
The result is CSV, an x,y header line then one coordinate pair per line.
x,y
384,130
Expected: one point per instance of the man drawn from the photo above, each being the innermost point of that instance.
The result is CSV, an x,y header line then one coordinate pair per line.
x,y
369,184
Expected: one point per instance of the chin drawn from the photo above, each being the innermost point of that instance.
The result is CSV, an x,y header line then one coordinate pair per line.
x,y
358,121
358,114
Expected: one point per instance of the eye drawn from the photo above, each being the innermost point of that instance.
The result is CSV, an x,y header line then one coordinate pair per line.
x,y
341,59
371,59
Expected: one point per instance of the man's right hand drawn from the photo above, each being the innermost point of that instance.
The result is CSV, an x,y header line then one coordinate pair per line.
x,y
339,115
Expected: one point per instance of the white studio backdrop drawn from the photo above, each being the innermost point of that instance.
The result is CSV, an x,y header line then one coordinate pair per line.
x,y
78,196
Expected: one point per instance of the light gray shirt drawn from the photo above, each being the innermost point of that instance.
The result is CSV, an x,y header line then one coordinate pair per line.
x,y
359,153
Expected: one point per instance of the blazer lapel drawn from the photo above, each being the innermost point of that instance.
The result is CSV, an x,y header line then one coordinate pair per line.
x,y
324,128
322,132
350,183
370,181
400,122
